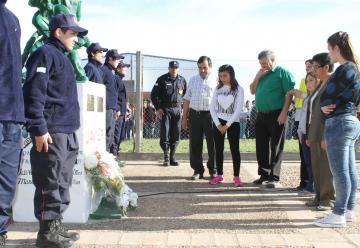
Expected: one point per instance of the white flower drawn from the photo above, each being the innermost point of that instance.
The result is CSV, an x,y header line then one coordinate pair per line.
x,y
133,199
122,200
90,161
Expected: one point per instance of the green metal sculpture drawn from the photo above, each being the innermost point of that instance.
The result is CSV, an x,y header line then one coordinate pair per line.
x,y
41,22
48,8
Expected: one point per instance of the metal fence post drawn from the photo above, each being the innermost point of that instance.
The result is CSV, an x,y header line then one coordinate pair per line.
x,y
139,101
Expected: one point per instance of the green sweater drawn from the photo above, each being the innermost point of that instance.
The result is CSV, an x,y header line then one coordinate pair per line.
x,y
272,89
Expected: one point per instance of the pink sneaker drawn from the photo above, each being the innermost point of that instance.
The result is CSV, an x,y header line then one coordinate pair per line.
x,y
237,182
216,180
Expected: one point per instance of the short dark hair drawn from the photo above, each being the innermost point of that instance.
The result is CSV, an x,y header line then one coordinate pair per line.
x,y
266,53
308,61
323,59
63,30
92,54
203,58
107,58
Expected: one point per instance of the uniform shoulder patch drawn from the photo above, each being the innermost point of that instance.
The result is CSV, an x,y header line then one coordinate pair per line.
x,y
41,69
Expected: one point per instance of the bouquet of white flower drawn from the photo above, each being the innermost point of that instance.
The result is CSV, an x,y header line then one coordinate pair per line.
x,y
107,181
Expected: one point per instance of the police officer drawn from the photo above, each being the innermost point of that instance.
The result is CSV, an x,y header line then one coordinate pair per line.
x,y
53,115
95,56
119,132
11,112
112,60
166,96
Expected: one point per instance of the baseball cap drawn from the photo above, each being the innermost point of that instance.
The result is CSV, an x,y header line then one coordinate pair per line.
x,y
66,21
122,64
113,53
94,47
174,64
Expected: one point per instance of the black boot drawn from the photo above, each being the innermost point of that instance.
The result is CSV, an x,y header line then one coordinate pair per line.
x,y
65,233
173,162
3,238
48,236
166,158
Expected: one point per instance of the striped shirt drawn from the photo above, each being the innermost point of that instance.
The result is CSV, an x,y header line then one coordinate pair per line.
x,y
200,91
227,105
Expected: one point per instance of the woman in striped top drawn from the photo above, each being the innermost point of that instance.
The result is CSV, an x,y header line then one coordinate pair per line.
x,y
225,108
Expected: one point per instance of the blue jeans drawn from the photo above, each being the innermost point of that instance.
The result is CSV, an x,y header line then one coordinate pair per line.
x,y
341,133
307,159
10,153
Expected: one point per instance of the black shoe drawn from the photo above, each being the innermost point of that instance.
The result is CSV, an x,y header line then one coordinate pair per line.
x,y
174,163
65,233
48,236
299,188
212,175
166,163
271,184
260,180
197,176
3,238
166,159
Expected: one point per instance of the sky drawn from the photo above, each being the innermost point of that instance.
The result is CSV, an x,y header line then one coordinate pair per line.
x,y
228,31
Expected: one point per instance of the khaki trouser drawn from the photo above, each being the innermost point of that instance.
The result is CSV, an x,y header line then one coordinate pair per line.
x,y
323,179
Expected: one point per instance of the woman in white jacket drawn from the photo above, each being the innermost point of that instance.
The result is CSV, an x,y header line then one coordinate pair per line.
x,y
226,107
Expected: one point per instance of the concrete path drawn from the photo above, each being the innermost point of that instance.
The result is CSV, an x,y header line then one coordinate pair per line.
x,y
196,214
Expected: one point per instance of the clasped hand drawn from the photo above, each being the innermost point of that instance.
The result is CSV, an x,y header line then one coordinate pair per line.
x,y
222,128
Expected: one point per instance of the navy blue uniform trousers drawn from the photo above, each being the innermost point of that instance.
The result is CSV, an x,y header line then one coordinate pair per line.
x,y
10,153
119,133
52,173
110,128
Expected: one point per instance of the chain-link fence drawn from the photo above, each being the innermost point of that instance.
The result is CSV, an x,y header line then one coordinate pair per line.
x,y
151,124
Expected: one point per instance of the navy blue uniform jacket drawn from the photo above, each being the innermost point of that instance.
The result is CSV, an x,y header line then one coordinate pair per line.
x,y
121,89
50,93
92,70
11,98
110,83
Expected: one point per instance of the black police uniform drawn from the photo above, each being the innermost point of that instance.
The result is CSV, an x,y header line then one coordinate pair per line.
x,y
51,106
167,95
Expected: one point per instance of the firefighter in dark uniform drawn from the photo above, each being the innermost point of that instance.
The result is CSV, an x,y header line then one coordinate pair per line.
x,y
166,96
112,60
95,56
52,116
11,113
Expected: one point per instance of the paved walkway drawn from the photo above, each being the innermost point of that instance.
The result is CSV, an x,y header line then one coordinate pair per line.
x,y
205,215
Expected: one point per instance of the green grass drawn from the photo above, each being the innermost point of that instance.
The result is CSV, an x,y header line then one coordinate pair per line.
x,y
246,145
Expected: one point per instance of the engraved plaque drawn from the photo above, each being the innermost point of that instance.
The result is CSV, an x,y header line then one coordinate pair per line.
x,y
100,104
90,103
